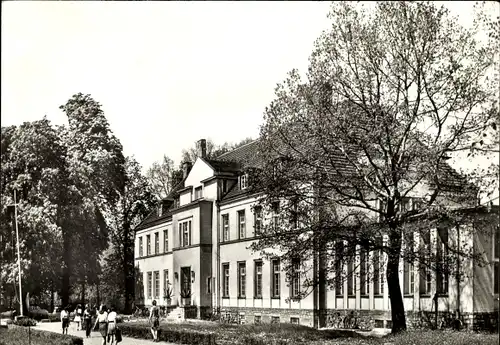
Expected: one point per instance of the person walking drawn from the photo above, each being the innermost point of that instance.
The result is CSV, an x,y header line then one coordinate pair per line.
x,y
87,320
78,317
112,316
102,321
154,319
65,320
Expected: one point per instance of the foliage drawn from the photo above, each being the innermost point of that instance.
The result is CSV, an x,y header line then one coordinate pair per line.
x,y
213,150
135,203
161,176
391,93
19,336
186,293
39,314
25,322
168,292
169,334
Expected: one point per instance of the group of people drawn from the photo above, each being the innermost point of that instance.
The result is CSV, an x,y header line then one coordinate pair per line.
x,y
105,320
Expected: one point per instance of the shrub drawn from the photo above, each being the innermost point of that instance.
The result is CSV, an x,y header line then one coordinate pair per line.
x,y
9,314
26,336
169,334
25,322
54,317
39,314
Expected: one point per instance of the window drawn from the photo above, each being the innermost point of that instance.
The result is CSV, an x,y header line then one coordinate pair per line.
x,y
177,202
496,252
339,257
157,242
241,224
141,251
224,186
258,279
157,284
442,262
148,244
409,278
244,181
364,272
165,241
242,279
225,280
351,276
294,320
275,209
275,319
257,220
378,270
425,271
257,319
150,284
159,210
185,233
209,285
166,282
225,227
295,278
198,193
275,278
408,268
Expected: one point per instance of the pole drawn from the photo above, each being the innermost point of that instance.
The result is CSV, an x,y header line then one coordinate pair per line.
x,y
18,258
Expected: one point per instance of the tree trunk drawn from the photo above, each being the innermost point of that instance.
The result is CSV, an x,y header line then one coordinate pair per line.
x,y
395,296
52,297
128,269
83,294
322,285
66,269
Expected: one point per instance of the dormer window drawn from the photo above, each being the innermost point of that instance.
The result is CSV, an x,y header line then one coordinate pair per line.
x,y
244,181
160,210
177,202
198,193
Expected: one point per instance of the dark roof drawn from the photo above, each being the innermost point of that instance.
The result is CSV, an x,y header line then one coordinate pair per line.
x,y
152,218
220,166
246,155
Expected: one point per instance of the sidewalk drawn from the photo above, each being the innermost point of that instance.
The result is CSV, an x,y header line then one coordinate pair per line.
x,y
95,337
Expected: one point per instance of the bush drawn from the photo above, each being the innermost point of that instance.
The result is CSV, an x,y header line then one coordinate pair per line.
x,y
39,314
9,314
25,322
169,334
26,336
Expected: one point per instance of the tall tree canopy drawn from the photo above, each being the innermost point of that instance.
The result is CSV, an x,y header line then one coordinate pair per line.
x,y
390,94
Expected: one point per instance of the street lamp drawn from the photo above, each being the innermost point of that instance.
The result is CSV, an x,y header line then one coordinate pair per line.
x,y
18,257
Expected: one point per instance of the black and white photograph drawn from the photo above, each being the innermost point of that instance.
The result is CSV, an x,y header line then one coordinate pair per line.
x,y
250,173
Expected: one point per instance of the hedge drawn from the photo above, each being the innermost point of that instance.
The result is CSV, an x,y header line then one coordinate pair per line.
x,y
178,336
17,335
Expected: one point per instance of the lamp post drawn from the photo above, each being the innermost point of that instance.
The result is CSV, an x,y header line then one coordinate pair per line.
x,y
18,258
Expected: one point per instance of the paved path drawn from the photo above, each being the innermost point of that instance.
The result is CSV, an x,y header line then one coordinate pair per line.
x,y
95,337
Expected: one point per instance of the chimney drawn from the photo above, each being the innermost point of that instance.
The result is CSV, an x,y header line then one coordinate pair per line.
x,y
186,167
201,148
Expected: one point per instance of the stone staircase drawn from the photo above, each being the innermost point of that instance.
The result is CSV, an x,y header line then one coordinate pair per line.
x,y
176,315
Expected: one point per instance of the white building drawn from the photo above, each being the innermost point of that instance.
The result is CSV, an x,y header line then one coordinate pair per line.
x,y
197,240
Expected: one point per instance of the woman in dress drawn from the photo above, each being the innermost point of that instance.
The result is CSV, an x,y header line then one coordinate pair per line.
x,y
87,320
102,321
112,325
154,319
78,316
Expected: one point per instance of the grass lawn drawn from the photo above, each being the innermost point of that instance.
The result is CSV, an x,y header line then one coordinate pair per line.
x,y
293,334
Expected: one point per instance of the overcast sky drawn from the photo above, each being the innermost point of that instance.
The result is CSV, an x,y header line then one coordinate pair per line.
x,y
166,73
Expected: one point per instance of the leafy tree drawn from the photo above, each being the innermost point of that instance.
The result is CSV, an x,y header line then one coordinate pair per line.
x,y
118,269
390,95
33,165
161,177
96,169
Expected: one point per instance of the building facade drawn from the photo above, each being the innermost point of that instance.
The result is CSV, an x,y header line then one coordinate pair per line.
x,y
196,244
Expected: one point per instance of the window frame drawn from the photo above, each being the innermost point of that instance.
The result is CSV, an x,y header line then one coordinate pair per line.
x,y
364,272
295,281
149,284
257,220
165,241
156,284
244,181
225,227
166,281
241,224
157,242
225,280
242,279
185,233
276,278
141,248
198,193
148,245
257,291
